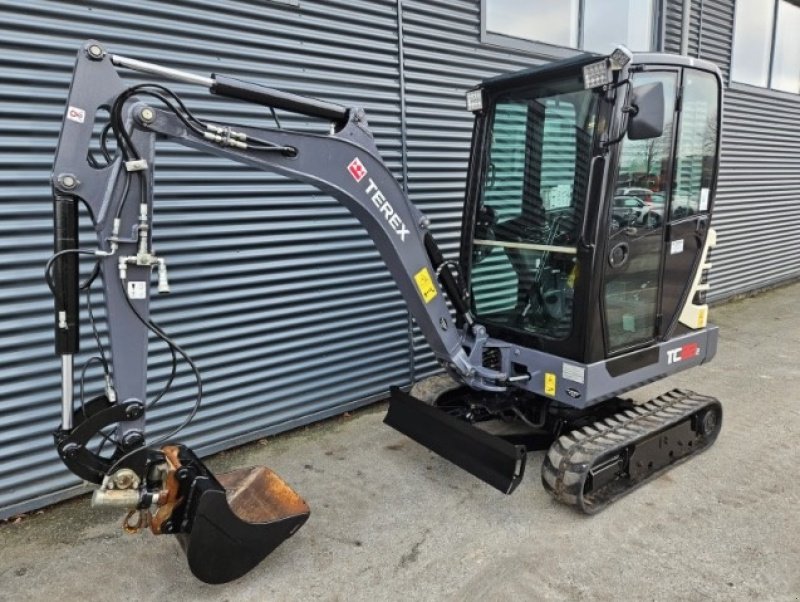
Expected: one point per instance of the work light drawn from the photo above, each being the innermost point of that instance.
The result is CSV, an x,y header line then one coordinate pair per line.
x,y
620,57
600,73
596,74
475,100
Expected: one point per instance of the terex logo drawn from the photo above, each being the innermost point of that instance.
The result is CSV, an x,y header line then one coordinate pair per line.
x,y
357,169
386,209
680,354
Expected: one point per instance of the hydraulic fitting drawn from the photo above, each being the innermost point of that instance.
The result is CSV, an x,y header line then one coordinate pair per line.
x,y
163,281
119,498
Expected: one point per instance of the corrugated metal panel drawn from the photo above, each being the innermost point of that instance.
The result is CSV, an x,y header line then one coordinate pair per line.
x,y
694,27
758,201
672,26
279,294
716,33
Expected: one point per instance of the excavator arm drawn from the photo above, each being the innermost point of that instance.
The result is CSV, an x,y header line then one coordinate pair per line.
x,y
164,485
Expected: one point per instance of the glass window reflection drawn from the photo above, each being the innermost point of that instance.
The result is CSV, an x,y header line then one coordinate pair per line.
x,y
786,64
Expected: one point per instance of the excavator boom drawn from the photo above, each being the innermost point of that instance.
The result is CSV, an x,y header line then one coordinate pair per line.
x,y
222,539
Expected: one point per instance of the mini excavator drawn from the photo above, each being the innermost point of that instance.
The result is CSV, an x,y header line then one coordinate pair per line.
x,y
554,308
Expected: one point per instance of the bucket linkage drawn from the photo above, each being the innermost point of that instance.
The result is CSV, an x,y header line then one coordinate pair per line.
x,y
226,523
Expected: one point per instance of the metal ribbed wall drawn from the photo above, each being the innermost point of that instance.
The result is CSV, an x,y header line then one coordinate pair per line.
x,y
279,294
758,200
759,194
672,26
714,33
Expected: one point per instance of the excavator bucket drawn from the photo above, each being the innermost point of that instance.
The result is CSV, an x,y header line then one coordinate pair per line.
x,y
232,521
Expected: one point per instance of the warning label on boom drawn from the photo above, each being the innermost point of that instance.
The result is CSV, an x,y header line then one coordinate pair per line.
x,y
425,285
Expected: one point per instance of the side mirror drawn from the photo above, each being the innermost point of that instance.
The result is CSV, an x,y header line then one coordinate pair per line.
x,y
648,119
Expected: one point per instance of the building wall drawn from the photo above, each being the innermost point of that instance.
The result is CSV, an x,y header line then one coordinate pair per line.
x,y
278,292
757,214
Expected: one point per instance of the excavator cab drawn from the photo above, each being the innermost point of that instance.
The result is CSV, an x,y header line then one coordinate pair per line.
x,y
551,262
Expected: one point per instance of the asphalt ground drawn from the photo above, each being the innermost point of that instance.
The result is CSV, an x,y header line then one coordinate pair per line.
x,y
391,521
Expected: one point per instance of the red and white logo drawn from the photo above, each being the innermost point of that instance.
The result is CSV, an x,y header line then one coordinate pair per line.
x,y
76,114
357,169
680,354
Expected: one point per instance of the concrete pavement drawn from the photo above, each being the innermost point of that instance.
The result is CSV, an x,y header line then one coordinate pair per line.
x,y
391,521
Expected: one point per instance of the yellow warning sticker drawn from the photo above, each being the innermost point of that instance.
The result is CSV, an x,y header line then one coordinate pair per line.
x,y
573,276
550,384
425,285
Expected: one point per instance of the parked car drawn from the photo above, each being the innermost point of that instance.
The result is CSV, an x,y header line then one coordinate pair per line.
x,y
647,195
653,215
625,210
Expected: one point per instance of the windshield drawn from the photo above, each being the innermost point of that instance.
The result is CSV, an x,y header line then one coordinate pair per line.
x,y
530,212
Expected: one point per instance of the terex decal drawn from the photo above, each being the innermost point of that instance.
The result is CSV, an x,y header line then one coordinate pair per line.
x,y
386,209
357,169
359,172
680,354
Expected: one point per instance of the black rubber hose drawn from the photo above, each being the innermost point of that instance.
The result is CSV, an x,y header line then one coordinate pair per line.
x,y
447,279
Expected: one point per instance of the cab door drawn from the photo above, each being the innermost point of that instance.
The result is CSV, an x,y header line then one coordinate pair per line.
x,y
694,178
635,240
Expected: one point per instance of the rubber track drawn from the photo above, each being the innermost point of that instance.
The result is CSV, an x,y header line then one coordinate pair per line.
x,y
566,466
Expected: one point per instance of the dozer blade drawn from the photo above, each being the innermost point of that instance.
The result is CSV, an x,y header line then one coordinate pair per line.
x,y
490,458
590,467
231,522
